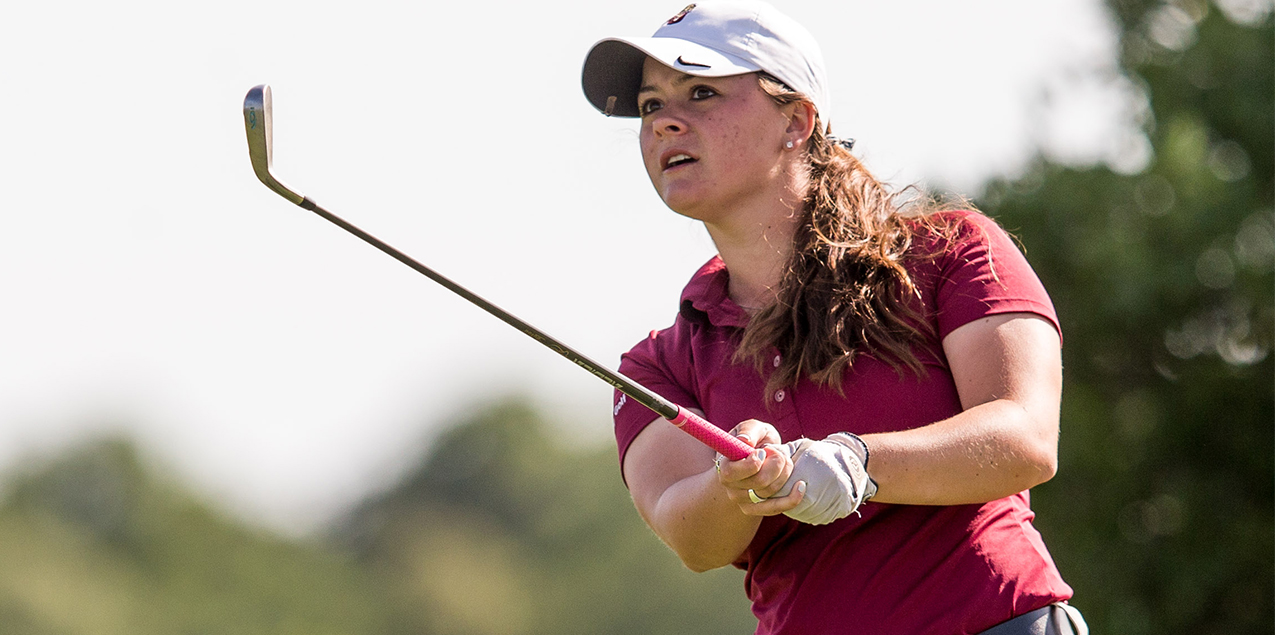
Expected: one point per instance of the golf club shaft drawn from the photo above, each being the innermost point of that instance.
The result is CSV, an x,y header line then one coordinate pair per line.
x,y
688,421
257,121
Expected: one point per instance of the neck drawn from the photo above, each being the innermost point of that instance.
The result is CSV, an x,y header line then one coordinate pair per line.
x,y
753,232
756,246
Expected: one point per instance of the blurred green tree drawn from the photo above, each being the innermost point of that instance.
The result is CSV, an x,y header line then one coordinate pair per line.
x,y
93,543
1161,515
501,530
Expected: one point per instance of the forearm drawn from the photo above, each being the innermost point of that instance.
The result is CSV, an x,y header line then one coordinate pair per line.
x,y
700,523
987,452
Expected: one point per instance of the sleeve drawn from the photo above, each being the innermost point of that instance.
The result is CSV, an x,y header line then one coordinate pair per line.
x,y
653,364
982,273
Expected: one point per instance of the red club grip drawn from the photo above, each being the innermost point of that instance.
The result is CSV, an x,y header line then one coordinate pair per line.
x,y
711,435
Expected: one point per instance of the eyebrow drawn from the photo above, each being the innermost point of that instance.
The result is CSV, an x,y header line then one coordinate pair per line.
x,y
676,82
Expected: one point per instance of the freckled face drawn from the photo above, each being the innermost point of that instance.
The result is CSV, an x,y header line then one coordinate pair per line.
x,y
710,144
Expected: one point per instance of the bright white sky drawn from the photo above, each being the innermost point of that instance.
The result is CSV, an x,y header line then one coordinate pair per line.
x,y
278,364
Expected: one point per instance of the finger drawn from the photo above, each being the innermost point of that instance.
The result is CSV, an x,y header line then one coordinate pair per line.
x,y
771,474
743,496
734,472
777,505
739,497
758,433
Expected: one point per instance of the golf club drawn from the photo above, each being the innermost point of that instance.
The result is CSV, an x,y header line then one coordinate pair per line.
x,y
257,122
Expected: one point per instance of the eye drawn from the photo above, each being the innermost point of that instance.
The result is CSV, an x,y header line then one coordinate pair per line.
x,y
649,106
702,92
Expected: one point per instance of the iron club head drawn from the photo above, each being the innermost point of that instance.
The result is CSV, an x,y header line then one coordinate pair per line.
x,y
256,119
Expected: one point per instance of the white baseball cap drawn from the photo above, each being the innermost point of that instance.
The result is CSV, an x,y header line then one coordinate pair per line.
x,y
716,38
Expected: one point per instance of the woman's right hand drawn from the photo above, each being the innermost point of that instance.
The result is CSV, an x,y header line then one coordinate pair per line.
x,y
703,515
760,475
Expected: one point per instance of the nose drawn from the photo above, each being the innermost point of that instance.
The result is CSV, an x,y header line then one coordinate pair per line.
x,y
667,124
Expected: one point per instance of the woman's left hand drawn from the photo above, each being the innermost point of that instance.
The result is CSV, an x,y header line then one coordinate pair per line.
x,y
834,470
751,481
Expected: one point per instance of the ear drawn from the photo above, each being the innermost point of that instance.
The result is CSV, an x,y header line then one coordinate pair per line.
x,y
801,120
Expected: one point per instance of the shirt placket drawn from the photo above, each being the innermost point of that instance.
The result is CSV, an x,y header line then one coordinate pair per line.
x,y
783,405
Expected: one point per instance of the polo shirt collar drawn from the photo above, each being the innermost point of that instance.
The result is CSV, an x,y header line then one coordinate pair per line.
x,y
705,297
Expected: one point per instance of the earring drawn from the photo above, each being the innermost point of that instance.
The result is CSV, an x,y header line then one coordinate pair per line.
x,y
788,145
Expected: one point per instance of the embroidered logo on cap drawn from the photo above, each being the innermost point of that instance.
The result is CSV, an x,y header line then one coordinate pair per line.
x,y
682,62
681,14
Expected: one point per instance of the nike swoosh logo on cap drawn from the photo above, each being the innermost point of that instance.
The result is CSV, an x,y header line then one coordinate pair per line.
x,y
682,62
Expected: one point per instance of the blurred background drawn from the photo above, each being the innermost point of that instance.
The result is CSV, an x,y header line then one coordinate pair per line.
x,y
219,414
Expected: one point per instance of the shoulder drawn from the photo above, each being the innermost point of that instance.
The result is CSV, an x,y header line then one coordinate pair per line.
x,y
670,349
948,240
937,233
665,349
971,268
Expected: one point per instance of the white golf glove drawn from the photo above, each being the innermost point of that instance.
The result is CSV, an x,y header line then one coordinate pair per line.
x,y
836,476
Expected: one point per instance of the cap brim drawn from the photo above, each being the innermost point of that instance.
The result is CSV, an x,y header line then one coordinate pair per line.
x,y
613,68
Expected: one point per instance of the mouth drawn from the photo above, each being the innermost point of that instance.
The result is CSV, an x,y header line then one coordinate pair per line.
x,y
677,159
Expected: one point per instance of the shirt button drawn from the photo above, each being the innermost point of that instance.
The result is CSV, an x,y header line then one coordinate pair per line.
x,y
779,395
776,361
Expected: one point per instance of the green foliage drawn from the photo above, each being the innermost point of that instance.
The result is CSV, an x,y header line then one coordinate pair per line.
x,y
498,531
94,544
1161,515
503,531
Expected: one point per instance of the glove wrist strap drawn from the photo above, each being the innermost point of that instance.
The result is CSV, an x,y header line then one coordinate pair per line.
x,y
860,448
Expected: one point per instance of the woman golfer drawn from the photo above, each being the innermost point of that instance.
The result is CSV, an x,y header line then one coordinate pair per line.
x,y
842,330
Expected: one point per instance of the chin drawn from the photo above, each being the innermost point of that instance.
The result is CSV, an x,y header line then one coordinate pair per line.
x,y
683,202
684,207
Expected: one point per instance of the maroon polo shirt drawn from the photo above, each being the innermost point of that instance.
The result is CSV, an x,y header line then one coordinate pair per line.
x,y
894,568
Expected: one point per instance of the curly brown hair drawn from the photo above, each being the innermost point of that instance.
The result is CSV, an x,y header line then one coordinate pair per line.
x,y
846,290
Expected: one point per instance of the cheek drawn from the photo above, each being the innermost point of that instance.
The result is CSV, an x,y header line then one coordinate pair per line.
x,y
649,158
737,147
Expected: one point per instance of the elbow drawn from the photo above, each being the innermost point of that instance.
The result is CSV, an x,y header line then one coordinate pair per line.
x,y
1047,469
1044,461
700,556
1027,471
699,567
701,562
1042,451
